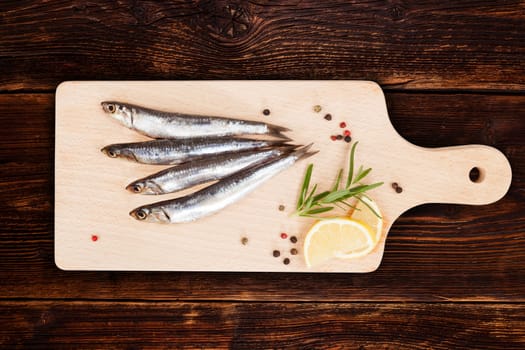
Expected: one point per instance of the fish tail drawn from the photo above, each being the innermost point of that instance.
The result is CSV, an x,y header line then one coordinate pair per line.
x,y
277,131
303,152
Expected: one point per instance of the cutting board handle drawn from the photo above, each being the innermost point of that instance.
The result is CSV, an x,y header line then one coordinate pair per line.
x,y
472,174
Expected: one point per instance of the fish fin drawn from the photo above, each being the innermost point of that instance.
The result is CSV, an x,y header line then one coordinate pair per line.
x,y
302,152
277,131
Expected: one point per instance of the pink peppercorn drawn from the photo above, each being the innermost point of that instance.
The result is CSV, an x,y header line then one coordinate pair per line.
x,y
342,125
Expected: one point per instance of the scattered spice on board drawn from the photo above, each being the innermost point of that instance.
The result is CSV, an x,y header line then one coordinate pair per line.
x,y
293,251
286,261
333,137
394,185
276,253
244,240
284,235
293,239
399,190
94,238
339,137
281,207
346,133
266,111
342,125
328,116
348,139
317,108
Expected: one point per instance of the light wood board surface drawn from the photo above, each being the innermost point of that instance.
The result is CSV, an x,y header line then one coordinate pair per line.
x,y
90,198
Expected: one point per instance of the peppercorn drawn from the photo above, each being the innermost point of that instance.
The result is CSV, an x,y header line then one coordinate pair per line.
x,y
317,108
342,125
333,137
348,139
286,261
244,240
276,253
395,185
399,190
328,116
339,137
284,235
347,133
293,239
293,251
266,111
281,207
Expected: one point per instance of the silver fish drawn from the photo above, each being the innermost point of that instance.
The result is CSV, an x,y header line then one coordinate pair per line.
x,y
167,125
180,151
219,195
204,170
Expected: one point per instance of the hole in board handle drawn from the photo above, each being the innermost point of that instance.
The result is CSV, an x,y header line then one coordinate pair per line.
x,y
476,175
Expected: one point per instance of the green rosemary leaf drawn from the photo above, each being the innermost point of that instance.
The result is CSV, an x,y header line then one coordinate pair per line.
x,y
335,196
318,210
310,199
337,182
306,184
320,196
369,207
361,175
351,166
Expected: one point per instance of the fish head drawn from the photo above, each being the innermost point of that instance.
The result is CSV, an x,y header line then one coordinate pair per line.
x,y
120,112
111,151
149,214
116,151
136,186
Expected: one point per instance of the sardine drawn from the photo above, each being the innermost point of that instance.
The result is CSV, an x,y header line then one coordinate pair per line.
x,y
180,151
204,170
167,125
212,199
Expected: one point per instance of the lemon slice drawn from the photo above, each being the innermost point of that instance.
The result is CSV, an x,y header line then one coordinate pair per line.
x,y
363,213
343,238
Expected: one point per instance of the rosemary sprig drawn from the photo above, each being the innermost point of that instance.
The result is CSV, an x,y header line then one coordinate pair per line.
x,y
311,204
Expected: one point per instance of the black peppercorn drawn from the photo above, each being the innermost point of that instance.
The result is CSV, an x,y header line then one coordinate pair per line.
x,y
276,253
293,251
266,111
339,137
328,116
399,190
348,139
293,239
286,261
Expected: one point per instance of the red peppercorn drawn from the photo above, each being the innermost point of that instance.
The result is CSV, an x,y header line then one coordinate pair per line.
x,y
347,133
284,235
94,238
333,137
342,125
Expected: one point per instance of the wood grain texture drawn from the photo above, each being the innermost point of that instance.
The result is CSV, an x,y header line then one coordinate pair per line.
x,y
124,325
422,45
434,252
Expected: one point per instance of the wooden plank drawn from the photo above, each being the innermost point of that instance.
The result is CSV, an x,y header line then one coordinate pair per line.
x,y
423,45
434,252
89,325
89,186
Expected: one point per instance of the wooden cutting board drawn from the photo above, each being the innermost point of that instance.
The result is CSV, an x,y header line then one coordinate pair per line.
x,y
93,230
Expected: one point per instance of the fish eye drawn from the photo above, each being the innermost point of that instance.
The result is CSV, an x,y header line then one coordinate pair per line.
x,y
111,108
141,214
112,154
137,188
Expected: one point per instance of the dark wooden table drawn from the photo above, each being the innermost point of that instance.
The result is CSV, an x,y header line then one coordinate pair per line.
x,y
452,276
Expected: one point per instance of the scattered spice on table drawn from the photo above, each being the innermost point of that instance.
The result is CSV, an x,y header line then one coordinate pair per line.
x,y
244,240
94,238
293,239
317,108
346,133
348,139
394,185
266,111
342,125
286,261
281,207
399,189
328,116
339,137
284,235
293,251
333,137
276,253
